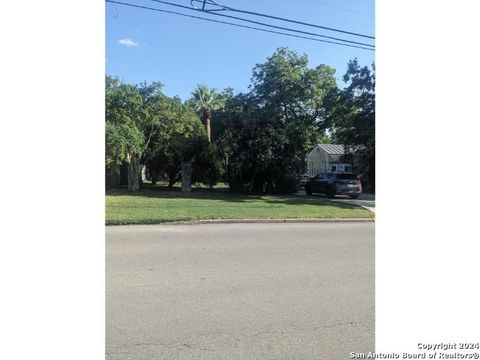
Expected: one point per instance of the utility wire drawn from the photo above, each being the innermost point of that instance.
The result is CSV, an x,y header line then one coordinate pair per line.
x,y
232,24
301,23
342,8
267,16
260,23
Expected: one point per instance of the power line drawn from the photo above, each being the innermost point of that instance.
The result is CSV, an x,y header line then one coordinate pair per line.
x,y
342,8
232,24
269,25
301,23
223,7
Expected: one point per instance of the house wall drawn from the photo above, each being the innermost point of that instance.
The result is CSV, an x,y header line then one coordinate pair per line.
x,y
334,158
336,164
314,161
319,161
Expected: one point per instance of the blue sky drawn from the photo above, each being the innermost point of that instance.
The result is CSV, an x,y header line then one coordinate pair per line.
x,y
143,45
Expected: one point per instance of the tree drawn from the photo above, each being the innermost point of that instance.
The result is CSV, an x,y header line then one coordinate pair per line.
x,y
133,116
207,167
291,90
181,138
204,101
351,114
263,136
292,94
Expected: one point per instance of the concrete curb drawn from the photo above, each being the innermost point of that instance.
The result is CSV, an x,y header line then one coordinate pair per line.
x,y
258,221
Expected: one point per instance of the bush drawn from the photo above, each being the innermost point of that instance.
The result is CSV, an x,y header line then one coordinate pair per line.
x,y
206,168
286,184
274,181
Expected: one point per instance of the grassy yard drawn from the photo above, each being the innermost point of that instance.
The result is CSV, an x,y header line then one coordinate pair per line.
x,y
159,206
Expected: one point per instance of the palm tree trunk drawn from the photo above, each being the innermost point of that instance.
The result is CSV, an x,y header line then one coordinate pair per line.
x,y
207,126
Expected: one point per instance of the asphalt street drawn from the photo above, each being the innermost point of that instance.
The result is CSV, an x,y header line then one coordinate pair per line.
x,y
240,291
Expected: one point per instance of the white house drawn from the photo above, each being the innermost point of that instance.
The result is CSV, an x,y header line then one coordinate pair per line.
x,y
327,157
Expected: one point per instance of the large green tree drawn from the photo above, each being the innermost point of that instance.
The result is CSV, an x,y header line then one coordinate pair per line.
x,y
263,136
205,101
292,95
181,138
351,115
133,115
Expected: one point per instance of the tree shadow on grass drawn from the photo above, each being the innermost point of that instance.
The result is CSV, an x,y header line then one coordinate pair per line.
x,y
305,200
224,195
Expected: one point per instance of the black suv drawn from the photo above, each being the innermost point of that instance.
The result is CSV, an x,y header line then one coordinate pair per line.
x,y
333,184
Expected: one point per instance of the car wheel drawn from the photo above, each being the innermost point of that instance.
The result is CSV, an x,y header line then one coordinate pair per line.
x,y
353,196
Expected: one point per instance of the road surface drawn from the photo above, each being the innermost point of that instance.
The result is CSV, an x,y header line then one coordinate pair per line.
x,y
240,291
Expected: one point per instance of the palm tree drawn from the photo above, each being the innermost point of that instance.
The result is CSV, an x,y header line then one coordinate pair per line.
x,y
205,101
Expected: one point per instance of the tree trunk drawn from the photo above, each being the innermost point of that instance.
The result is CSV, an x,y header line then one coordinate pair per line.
x,y
133,166
172,179
209,133
186,176
252,182
208,117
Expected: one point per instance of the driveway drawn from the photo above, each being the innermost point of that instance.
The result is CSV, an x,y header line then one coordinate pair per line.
x,y
365,200
240,291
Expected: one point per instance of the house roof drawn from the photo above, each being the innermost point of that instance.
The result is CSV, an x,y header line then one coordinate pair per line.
x,y
332,149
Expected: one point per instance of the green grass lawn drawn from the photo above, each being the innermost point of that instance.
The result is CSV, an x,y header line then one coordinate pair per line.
x,y
159,206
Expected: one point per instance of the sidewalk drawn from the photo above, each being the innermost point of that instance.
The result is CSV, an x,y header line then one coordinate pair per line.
x,y
365,200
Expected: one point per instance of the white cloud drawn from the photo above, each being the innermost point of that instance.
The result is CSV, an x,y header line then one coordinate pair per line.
x,y
127,42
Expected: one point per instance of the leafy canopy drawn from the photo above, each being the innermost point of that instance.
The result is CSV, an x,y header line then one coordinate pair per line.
x,y
205,100
263,135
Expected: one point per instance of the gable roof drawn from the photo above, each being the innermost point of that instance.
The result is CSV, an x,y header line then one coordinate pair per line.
x,y
332,149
